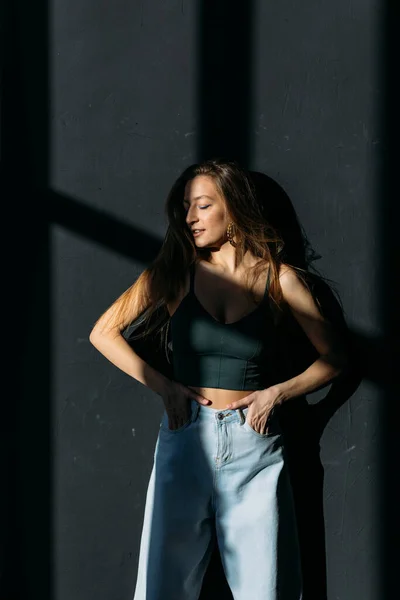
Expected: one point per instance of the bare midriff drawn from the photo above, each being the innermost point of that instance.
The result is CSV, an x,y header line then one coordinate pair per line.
x,y
220,397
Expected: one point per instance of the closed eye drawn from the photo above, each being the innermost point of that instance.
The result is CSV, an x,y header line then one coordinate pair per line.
x,y
202,207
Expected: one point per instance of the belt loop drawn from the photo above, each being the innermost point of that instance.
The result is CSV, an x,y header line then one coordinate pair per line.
x,y
241,416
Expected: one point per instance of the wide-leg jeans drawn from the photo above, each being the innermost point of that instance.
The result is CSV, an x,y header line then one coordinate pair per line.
x,y
216,478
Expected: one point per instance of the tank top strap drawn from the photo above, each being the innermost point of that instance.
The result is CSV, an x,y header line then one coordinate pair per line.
x,y
191,271
266,291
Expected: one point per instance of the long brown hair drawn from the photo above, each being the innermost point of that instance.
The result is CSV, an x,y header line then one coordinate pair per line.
x,y
162,281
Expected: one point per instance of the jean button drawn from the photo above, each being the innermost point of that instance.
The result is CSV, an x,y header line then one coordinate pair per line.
x,y
220,416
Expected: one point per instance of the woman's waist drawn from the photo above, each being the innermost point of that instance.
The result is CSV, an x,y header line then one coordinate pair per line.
x,y
220,397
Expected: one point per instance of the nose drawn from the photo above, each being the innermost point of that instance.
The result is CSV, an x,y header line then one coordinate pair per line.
x,y
191,218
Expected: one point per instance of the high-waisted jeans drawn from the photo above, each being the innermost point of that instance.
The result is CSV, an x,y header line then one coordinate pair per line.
x,y
216,475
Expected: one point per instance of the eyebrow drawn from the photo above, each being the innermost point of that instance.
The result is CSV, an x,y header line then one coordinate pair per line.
x,y
198,198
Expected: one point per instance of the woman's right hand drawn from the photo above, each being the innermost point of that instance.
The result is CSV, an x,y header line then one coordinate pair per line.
x,y
177,401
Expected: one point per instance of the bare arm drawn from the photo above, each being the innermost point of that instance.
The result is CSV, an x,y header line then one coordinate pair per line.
x,y
332,360
117,350
106,336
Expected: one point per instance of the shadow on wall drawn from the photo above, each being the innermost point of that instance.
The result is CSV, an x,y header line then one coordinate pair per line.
x,y
303,423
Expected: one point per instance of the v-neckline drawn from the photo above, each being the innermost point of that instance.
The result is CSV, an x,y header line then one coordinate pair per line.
x,y
191,291
220,322
205,311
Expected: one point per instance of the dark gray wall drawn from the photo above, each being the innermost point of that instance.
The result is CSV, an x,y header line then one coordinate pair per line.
x,y
138,91
130,99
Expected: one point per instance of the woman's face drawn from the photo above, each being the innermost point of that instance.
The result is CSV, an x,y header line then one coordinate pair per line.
x,y
205,209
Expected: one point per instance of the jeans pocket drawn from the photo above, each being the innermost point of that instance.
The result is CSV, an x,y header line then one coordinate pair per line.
x,y
165,426
273,429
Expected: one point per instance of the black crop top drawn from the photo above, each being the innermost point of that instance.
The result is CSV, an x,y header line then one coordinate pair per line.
x,y
233,356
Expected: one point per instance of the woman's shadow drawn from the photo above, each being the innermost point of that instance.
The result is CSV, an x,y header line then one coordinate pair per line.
x,y
303,423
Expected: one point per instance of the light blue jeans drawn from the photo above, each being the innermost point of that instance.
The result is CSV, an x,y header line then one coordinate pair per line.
x,y
216,476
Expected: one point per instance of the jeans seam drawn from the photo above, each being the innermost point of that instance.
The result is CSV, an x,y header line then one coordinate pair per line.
x,y
214,484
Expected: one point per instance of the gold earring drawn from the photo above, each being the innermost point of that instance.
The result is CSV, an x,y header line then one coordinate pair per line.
x,y
229,234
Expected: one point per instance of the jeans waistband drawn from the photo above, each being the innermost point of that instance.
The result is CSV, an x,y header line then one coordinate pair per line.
x,y
206,413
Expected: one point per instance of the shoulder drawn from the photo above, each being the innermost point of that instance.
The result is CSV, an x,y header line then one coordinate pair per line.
x,y
289,279
295,291
298,296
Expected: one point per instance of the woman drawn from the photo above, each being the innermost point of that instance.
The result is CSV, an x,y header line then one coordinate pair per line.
x,y
219,463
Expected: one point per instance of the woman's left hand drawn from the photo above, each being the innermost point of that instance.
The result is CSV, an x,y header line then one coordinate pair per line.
x,y
260,403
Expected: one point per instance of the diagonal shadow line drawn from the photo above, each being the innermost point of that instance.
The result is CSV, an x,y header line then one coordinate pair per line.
x,y
103,228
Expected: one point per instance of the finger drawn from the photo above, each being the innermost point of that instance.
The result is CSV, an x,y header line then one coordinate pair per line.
x,y
199,398
202,400
246,401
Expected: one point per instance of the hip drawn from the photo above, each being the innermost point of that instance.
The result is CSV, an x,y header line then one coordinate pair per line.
x,y
210,429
